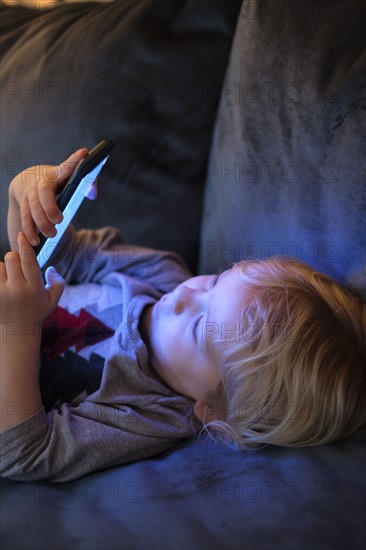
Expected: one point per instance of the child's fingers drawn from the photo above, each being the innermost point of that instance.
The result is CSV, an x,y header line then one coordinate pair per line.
x,y
66,168
13,267
45,205
48,202
39,215
3,275
29,265
56,177
27,223
92,194
55,285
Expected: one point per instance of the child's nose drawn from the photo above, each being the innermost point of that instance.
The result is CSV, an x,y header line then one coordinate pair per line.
x,y
185,297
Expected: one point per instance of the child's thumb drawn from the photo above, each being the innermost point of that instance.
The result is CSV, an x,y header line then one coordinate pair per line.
x,y
54,284
66,168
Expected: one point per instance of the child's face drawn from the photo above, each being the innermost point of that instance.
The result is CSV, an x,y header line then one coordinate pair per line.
x,y
181,325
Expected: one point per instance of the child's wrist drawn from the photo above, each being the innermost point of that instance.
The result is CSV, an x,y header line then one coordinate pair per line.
x,y
20,334
20,394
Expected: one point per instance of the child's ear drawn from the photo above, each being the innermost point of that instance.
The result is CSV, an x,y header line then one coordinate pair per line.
x,y
199,409
209,409
205,410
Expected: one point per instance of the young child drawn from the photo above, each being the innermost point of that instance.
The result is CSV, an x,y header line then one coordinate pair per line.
x,y
137,354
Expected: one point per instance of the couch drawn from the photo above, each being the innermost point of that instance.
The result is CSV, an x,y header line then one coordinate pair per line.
x,y
238,128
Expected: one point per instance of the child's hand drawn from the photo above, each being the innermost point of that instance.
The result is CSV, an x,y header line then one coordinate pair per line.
x,y
23,296
32,198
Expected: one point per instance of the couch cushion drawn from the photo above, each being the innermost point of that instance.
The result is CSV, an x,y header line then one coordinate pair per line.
x,y
145,74
287,174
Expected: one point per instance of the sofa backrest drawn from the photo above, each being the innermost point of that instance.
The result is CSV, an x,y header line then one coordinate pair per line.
x,y
146,74
286,174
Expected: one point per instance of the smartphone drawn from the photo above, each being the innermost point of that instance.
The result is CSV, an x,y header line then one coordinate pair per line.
x,y
73,195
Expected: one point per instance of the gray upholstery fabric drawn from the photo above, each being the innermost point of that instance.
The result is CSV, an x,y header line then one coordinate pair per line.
x,y
144,74
202,495
199,496
286,173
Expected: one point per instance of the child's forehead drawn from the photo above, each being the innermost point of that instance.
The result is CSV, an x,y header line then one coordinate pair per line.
x,y
230,293
228,274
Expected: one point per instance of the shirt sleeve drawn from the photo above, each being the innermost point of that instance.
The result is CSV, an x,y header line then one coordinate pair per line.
x,y
90,255
70,442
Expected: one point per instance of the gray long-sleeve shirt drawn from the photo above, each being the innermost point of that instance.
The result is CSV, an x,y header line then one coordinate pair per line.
x,y
123,411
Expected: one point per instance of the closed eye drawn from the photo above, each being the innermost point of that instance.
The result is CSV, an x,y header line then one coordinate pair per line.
x,y
195,328
214,280
195,324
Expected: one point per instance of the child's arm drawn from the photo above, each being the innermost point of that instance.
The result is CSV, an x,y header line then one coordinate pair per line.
x,y
25,300
91,255
25,303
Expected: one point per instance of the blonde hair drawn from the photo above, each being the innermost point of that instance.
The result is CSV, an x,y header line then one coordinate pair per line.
x,y
296,377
